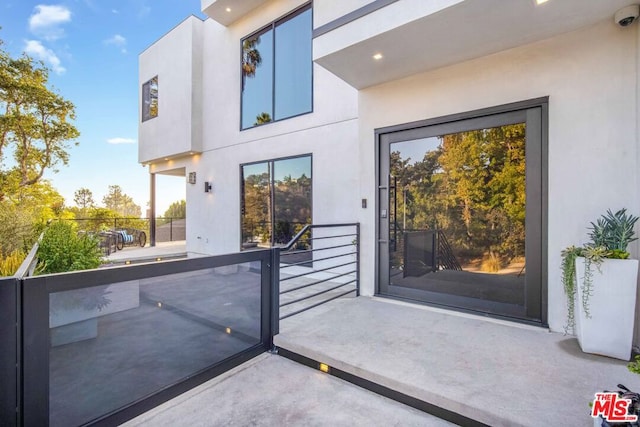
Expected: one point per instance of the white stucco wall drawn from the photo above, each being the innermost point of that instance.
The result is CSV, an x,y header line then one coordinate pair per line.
x,y
590,77
176,60
329,134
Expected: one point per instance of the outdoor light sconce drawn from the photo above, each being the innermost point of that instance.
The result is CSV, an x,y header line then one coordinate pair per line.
x,y
207,187
192,178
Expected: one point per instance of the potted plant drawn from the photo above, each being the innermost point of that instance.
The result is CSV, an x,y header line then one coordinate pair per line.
x,y
600,284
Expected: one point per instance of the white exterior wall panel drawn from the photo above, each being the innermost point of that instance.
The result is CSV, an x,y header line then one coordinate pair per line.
x,y
590,77
329,134
175,60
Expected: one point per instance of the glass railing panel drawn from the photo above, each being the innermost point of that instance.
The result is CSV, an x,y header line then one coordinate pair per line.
x,y
115,344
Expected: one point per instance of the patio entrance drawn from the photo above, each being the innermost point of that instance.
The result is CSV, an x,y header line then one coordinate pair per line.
x,y
461,211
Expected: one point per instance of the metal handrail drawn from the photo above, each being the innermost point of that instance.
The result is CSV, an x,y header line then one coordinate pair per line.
x,y
327,270
29,263
308,227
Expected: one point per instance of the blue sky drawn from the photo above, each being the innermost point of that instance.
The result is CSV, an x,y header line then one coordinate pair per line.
x,y
92,48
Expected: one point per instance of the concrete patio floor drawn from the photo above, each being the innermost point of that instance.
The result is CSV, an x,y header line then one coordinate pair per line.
x,y
492,372
161,250
497,373
270,390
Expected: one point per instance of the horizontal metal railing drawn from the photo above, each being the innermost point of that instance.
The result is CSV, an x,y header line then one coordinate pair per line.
x,y
327,270
167,229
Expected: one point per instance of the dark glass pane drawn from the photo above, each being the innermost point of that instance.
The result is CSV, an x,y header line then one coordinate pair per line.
x,y
457,214
292,194
257,79
112,345
256,206
150,99
293,66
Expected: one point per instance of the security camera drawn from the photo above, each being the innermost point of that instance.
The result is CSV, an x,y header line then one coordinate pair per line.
x,y
627,15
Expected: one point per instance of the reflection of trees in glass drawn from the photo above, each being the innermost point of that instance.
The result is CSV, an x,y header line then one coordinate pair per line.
x,y
293,206
472,187
276,74
251,58
150,99
262,118
256,208
276,200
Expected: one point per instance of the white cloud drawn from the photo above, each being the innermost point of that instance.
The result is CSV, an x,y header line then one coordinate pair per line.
x,y
36,49
114,11
119,41
46,20
121,141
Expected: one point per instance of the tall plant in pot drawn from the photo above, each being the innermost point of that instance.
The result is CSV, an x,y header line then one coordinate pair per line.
x,y
600,284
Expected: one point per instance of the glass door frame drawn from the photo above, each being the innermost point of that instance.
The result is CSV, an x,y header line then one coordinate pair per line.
x,y
535,114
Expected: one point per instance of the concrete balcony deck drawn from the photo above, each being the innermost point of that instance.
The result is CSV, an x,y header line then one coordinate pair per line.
x,y
164,250
496,373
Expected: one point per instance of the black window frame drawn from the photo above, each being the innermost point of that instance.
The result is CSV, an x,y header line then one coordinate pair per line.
x,y
535,114
272,27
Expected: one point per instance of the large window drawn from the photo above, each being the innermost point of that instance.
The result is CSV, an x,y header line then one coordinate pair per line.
x,y
276,200
150,99
277,70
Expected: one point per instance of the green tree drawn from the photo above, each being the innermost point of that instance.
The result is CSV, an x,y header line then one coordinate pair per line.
x,y
117,201
83,198
176,210
23,214
35,123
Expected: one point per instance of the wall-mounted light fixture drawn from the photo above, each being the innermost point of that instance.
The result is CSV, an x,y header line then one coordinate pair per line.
x,y
192,177
207,187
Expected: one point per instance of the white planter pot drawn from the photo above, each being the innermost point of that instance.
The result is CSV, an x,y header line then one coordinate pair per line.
x,y
608,330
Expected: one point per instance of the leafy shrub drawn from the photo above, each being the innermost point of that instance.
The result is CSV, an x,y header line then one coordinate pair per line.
x,y
10,264
491,263
62,249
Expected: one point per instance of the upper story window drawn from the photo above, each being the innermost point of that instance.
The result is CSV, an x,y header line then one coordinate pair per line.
x,y
150,99
277,70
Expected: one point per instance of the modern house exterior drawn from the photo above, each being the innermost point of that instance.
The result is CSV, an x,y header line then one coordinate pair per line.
x,y
472,140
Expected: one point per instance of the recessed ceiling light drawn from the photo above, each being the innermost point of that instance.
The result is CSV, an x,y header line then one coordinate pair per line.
x,y
228,9
541,1
377,56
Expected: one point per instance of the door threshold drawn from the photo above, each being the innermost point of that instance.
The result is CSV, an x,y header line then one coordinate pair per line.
x,y
459,312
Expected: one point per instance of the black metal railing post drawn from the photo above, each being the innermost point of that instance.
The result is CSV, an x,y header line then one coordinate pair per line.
x,y
10,355
275,291
358,259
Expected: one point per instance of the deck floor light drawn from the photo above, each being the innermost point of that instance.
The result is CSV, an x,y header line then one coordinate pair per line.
x,y
324,367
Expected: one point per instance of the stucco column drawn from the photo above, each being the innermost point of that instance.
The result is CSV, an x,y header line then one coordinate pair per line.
x,y
152,209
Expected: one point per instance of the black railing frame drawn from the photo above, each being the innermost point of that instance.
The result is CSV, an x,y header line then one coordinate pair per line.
x,y
295,239
34,410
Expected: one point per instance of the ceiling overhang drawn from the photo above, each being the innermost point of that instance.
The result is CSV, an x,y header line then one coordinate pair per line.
x,y
226,12
445,32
